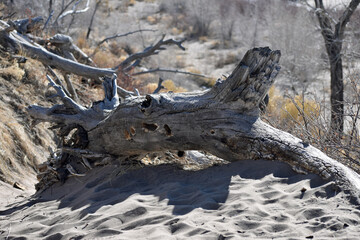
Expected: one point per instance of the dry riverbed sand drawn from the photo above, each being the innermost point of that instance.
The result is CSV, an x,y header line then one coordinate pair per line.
x,y
241,200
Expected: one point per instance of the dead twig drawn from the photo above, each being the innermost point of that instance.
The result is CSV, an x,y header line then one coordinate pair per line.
x,y
151,50
71,88
92,18
123,93
159,87
74,11
63,9
167,70
58,80
124,35
48,20
7,16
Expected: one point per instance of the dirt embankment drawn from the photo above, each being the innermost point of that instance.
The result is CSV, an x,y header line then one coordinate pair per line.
x,y
22,146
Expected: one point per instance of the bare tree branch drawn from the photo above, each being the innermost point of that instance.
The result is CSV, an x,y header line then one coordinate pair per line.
x,y
71,88
167,70
345,18
92,18
48,20
124,35
50,7
58,80
123,93
70,114
152,50
63,9
74,11
64,97
159,87
10,15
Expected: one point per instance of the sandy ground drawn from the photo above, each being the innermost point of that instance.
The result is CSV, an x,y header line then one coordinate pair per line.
x,y
242,200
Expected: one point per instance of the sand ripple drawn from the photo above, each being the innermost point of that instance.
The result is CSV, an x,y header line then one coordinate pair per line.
x,y
243,200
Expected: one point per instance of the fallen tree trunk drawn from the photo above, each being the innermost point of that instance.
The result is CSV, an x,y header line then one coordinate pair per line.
x,y
223,121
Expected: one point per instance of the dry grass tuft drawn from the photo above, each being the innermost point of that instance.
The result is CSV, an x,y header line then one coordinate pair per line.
x,y
150,87
12,71
152,20
170,86
105,59
116,49
203,39
81,41
35,72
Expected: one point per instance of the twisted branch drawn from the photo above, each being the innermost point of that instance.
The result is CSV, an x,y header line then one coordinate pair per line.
x,y
152,50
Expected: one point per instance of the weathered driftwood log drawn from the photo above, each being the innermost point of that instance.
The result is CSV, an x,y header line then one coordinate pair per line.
x,y
223,121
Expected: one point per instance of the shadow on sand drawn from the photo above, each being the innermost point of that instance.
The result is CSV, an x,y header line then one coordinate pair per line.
x,y
185,190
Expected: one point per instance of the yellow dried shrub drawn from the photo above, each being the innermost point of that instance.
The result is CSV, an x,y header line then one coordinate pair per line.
x,y
150,87
151,20
105,59
170,86
291,109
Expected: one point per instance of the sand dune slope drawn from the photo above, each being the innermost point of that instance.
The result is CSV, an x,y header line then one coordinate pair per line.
x,y
242,200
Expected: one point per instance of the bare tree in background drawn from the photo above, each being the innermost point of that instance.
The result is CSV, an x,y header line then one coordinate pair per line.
x,y
333,34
